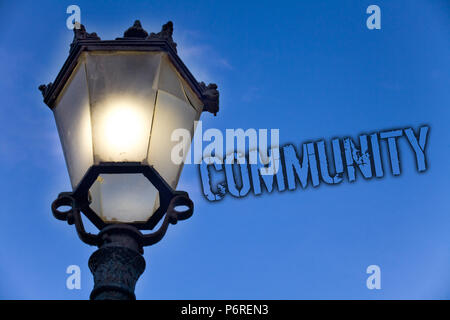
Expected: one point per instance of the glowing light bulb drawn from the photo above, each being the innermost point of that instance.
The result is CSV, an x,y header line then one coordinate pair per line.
x,y
125,130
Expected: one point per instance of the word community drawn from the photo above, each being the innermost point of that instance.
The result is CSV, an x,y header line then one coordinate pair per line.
x,y
310,164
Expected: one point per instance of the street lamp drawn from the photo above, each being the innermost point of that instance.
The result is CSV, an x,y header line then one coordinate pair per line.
x,y
116,103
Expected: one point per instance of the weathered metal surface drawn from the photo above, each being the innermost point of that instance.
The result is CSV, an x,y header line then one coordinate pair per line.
x,y
117,264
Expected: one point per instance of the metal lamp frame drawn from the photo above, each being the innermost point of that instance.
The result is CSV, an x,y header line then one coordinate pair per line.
x,y
78,201
118,262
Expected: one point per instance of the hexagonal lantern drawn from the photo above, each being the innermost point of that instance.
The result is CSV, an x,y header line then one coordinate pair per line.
x,y
116,104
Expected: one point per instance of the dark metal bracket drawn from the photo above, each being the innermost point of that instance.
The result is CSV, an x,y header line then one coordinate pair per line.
x,y
78,201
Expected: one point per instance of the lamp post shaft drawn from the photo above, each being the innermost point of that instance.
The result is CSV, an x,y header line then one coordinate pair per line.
x,y
117,264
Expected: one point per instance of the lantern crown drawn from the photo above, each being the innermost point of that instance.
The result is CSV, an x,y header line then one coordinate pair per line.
x,y
134,38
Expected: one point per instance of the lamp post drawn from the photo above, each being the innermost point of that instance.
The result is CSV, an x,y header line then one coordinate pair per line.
x,y
116,103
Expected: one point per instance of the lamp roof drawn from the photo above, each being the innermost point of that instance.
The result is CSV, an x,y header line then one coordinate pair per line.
x,y
134,38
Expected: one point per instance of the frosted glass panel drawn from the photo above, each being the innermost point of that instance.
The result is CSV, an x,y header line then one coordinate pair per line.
x,y
169,80
192,97
73,120
171,113
121,87
124,198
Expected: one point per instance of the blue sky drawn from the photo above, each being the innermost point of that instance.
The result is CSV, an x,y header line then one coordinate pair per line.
x,y
309,68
